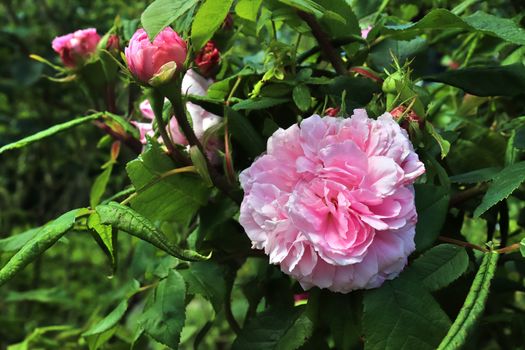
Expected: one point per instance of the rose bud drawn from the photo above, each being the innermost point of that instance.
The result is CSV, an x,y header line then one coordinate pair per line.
x,y
75,48
410,117
145,58
331,111
113,44
208,59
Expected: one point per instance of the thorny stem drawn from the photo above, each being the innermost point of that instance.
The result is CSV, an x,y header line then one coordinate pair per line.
x,y
173,93
228,309
503,250
462,243
324,42
467,194
173,151
509,249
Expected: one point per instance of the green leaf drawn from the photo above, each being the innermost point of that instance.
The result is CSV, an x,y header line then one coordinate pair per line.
x,y
308,6
301,97
208,280
474,304
208,19
248,9
128,220
14,243
438,267
275,328
43,240
49,132
98,334
381,54
504,183
198,160
485,81
259,103
444,145
54,295
522,247
104,237
335,28
164,314
244,133
475,176
99,186
161,13
432,207
402,315
174,198
481,22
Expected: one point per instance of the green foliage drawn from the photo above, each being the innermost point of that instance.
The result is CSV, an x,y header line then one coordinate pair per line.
x,y
504,183
209,17
276,329
431,204
183,194
170,266
128,220
42,240
398,313
473,306
163,316
486,81
161,13
439,266
49,132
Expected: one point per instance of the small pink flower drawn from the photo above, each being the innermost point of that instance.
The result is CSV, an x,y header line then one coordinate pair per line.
x,y
145,58
364,32
332,201
208,59
202,120
75,48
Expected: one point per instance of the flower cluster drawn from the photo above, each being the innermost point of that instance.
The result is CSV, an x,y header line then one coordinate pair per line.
x,y
332,201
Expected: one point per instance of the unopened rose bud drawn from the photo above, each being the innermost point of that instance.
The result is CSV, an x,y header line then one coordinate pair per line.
x,y
113,44
75,48
331,111
410,117
208,59
145,58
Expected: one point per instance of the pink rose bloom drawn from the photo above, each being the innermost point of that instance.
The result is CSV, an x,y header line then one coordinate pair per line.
x,y
192,84
75,48
332,201
145,58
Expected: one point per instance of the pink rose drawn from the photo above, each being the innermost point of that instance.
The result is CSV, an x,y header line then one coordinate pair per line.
x,y
332,201
208,59
75,48
145,58
202,120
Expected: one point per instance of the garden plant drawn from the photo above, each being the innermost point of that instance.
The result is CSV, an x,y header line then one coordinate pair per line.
x,y
249,174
